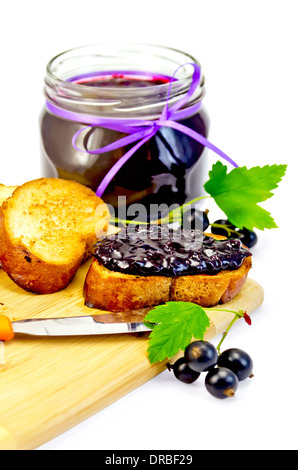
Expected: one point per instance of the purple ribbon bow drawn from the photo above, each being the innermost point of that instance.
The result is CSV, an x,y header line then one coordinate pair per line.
x,y
140,130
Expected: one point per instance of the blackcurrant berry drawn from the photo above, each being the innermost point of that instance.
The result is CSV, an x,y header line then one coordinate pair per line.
x,y
195,219
182,372
237,361
221,383
248,237
200,356
222,230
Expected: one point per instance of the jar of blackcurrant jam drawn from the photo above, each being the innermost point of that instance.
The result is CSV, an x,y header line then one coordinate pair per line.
x,y
123,81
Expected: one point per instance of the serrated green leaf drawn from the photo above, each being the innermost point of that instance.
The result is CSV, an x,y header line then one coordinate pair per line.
x,y
176,324
238,193
218,172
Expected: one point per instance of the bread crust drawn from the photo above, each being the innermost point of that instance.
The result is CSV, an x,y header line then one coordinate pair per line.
x,y
210,290
113,291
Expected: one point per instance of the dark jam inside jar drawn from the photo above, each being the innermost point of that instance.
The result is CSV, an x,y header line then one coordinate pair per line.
x,y
120,79
166,170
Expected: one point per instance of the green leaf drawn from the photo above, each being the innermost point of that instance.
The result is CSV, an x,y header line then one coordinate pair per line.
x,y
176,323
238,193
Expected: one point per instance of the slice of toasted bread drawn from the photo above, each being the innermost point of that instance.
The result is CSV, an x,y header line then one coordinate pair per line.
x,y
47,229
115,291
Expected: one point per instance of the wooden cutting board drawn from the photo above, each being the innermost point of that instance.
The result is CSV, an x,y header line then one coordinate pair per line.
x,y
48,385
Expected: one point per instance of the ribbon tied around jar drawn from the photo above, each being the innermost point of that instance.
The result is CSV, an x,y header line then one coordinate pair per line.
x,y
141,130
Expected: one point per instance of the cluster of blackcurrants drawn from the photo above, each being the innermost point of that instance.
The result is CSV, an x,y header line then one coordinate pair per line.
x,y
196,218
224,371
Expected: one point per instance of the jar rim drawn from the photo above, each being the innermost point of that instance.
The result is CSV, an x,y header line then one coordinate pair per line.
x,y
66,52
87,58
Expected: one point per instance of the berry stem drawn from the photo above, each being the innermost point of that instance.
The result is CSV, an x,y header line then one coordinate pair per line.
x,y
116,220
240,314
224,227
175,214
224,335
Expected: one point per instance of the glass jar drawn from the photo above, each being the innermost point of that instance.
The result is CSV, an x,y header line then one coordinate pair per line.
x,y
126,81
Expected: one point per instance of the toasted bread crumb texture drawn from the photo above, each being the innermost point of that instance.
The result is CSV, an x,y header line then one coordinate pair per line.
x,y
109,290
47,228
53,218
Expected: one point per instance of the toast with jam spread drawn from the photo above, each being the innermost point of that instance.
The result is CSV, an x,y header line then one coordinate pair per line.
x,y
136,272
48,227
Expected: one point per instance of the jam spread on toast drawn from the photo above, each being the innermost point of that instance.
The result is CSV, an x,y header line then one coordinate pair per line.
x,y
160,251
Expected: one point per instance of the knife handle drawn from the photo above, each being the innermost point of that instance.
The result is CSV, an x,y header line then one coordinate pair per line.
x,y
6,330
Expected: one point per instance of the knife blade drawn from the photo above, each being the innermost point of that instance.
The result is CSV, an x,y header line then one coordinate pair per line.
x,y
100,324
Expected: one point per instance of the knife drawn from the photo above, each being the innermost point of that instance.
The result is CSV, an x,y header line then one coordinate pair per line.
x,y
101,324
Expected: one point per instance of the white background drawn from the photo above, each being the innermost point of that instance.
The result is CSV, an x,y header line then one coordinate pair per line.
x,y
248,51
